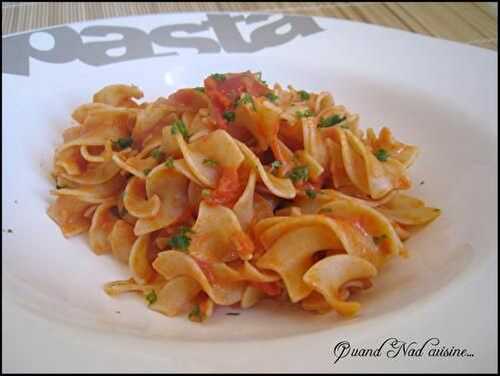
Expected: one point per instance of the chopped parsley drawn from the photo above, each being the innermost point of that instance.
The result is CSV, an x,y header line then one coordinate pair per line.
x,y
200,89
181,241
275,165
306,113
179,127
123,143
299,173
157,154
304,95
210,162
151,297
205,192
272,97
311,193
258,76
195,314
169,162
379,239
218,76
382,155
246,99
146,171
229,116
331,121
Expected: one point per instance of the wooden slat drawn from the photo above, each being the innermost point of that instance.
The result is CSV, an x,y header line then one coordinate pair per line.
x,y
382,16
443,23
488,9
474,23
476,18
408,19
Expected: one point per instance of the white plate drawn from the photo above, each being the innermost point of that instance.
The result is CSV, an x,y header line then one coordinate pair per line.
x,y
437,94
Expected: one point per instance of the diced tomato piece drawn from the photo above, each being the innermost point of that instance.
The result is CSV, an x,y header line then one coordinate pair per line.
x,y
228,188
186,217
291,135
188,100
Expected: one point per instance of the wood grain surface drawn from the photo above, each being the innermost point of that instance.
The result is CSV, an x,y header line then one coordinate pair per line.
x,y
467,22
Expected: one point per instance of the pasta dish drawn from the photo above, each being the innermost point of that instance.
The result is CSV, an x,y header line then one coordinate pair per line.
x,y
234,192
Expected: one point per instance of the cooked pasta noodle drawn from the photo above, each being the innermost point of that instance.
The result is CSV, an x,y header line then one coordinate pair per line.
x,y
236,192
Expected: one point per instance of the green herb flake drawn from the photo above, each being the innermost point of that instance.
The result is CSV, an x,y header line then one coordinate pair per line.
x,y
195,314
169,163
206,192
181,241
299,173
258,76
246,99
382,155
157,154
179,127
275,165
229,116
306,113
146,171
122,143
200,89
304,95
331,121
311,193
379,239
210,162
151,297
218,77
272,97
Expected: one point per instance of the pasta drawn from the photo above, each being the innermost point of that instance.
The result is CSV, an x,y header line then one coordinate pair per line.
x,y
235,192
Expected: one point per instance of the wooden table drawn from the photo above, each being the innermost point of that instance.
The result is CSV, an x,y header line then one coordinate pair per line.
x,y
472,23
